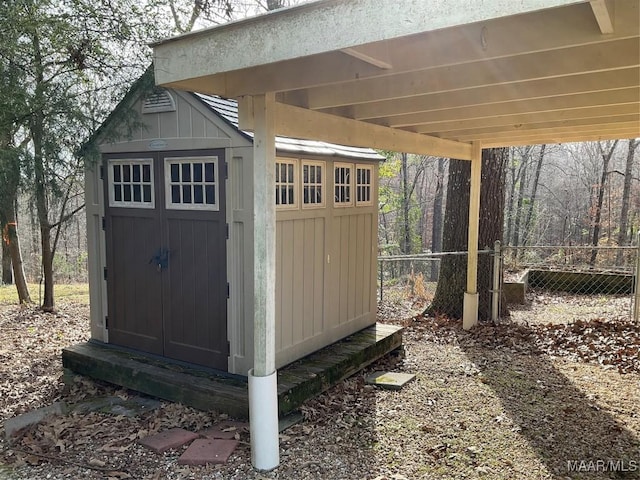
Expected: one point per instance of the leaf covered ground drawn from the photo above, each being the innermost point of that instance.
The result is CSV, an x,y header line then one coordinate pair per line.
x,y
516,400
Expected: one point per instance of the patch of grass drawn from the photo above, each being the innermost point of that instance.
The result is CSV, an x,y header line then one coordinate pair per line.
x,y
73,292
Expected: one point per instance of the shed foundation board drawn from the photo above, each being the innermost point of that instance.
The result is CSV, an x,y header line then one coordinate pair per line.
x,y
206,389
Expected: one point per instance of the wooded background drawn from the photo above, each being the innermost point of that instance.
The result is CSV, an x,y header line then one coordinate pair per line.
x,y
563,194
65,64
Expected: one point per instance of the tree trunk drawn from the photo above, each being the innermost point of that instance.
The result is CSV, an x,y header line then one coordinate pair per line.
x,y
12,268
453,274
37,130
521,190
16,261
436,226
606,158
494,163
448,299
7,276
511,197
405,243
623,239
48,303
534,190
422,196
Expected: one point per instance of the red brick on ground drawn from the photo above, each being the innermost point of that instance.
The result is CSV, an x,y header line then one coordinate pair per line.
x,y
205,450
225,430
173,438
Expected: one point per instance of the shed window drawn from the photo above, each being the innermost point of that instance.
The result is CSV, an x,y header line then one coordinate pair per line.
x,y
131,183
312,184
343,184
286,184
192,183
364,176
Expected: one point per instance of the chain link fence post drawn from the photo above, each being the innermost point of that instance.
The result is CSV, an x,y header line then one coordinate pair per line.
x,y
495,292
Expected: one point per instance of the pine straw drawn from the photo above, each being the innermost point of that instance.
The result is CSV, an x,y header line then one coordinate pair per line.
x,y
485,404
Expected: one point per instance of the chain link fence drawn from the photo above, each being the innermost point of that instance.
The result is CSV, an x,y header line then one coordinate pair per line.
x,y
545,284
416,277
568,283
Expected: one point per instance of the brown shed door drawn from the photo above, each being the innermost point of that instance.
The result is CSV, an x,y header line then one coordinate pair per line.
x,y
166,255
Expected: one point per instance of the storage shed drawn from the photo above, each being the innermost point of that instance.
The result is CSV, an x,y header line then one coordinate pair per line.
x,y
169,218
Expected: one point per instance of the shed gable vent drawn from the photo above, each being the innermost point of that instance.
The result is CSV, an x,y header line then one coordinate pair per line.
x,y
159,101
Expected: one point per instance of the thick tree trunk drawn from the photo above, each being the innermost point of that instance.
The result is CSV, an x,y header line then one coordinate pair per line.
x,y
623,238
492,193
453,274
606,158
448,299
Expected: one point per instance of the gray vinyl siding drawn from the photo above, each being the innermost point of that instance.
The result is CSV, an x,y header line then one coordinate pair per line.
x,y
191,126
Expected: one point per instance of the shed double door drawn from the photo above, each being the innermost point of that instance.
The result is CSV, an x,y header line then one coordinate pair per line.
x,y
166,254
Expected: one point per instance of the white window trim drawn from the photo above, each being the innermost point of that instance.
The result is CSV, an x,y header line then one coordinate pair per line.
x,y
350,203
130,204
296,184
169,205
322,184
363,166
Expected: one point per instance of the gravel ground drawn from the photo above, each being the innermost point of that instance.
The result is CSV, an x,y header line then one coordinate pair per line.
x,y
479,408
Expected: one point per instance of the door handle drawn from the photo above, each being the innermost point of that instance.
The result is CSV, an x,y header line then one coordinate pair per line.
x,y
161,259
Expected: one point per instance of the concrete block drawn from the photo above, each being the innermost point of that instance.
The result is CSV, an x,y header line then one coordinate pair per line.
x,y
19,422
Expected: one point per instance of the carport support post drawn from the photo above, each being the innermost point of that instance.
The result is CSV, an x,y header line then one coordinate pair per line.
x,y
263,392
470,307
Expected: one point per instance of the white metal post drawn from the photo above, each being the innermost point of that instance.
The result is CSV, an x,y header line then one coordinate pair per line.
x,y
497,274
263,392
470,307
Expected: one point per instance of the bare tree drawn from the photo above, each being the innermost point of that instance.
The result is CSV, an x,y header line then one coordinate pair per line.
x,y
623,237
532,198
606,150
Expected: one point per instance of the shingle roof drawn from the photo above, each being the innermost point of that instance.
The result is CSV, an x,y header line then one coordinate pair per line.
x,y
228,110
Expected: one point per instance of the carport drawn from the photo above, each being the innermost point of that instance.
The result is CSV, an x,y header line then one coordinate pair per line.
x,y
437,77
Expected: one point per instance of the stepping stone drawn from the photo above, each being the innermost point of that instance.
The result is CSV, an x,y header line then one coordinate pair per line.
x,y
206,450
14,425
163,441
225,430
389,380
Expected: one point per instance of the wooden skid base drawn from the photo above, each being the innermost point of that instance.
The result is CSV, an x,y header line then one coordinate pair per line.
x,y
206,389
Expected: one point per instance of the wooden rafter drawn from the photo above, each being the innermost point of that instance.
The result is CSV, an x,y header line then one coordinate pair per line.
x,y
602,12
